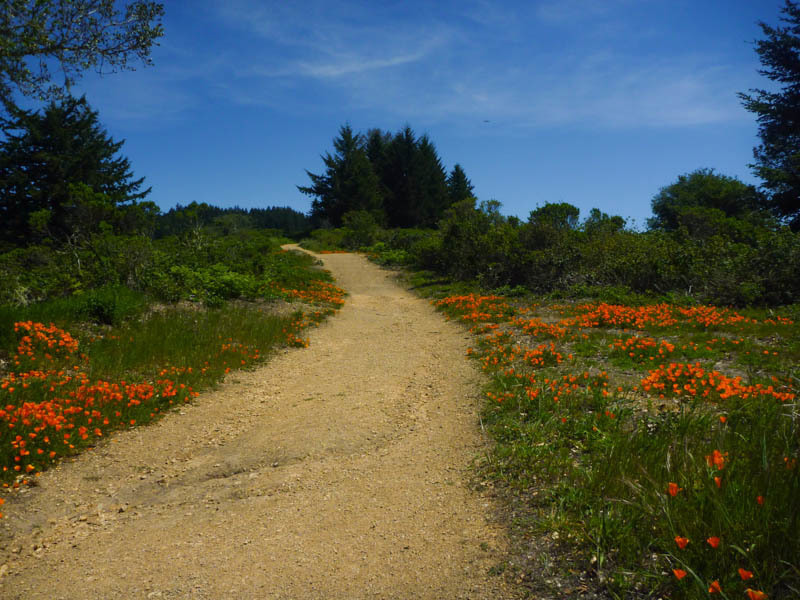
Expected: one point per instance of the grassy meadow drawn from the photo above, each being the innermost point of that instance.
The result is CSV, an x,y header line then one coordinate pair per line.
x,y
645,450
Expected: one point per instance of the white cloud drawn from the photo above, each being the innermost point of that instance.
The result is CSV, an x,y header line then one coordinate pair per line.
x,y
435,67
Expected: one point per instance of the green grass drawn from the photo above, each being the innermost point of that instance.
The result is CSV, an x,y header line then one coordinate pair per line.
x,y
73,372
586,449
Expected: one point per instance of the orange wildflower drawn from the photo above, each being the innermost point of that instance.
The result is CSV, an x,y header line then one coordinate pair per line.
x,y
716,459
673,489
679,573
715,587
713,542
681,541
745,574
755,594
718,481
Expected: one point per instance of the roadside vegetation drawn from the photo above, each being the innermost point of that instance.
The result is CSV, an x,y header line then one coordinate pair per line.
x,y
74,369
645,450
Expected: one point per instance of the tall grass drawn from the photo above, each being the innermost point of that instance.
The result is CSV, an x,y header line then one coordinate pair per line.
x,y
632,452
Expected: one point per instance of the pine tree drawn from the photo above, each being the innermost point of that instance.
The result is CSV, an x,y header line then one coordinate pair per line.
x,y
459,187
432,182
778,113
349,182
402,204
53,160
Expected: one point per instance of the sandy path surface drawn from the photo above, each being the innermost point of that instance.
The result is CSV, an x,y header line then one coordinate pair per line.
x,y
336,471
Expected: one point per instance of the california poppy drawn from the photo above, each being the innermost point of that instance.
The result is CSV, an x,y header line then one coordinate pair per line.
x,y
679,573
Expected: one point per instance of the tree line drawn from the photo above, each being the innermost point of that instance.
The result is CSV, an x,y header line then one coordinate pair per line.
x,y
398,179
63,179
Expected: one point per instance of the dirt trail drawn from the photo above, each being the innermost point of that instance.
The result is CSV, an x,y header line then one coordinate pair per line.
x,y
336,471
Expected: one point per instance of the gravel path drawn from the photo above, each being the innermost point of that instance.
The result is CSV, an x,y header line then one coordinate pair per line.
x,y
336,471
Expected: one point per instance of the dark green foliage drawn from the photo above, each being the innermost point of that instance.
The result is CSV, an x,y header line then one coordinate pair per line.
x,y
182,219
701,192
778,114
432,181
360,229
710,258
75,35
550,225
480,243
399,180
599,222
459,187
349,182
61,175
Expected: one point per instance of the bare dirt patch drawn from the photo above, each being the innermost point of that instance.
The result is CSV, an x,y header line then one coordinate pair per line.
x,y
336,471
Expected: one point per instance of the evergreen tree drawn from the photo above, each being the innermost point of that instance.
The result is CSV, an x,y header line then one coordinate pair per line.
x,y
402,204
778,113
398,179
459,187
55,164
377,149
349,182
432,183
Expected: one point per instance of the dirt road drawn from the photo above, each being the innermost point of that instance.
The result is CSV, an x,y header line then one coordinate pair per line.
x,y
336,471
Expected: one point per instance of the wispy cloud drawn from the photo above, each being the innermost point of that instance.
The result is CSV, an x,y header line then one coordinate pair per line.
x,y
348,65
473,60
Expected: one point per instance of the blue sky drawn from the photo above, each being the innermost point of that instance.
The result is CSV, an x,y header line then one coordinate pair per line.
x,y
598,103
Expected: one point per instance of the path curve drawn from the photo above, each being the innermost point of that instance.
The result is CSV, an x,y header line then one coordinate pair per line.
x,y
336,471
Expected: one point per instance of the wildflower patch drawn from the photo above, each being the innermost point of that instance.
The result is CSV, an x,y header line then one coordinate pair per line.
x,y
666,438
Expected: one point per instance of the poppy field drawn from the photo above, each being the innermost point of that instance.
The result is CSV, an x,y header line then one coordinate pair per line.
x,y
651,449
66,388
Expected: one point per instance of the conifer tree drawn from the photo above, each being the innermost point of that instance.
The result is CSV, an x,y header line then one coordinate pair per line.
x,y
349,182
459,187
57,158
402,204
432,182
778,113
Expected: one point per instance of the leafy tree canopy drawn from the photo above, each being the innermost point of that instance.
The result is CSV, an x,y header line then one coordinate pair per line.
x,y
72,35
704,189
600,222
560,216
777,158
60,161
